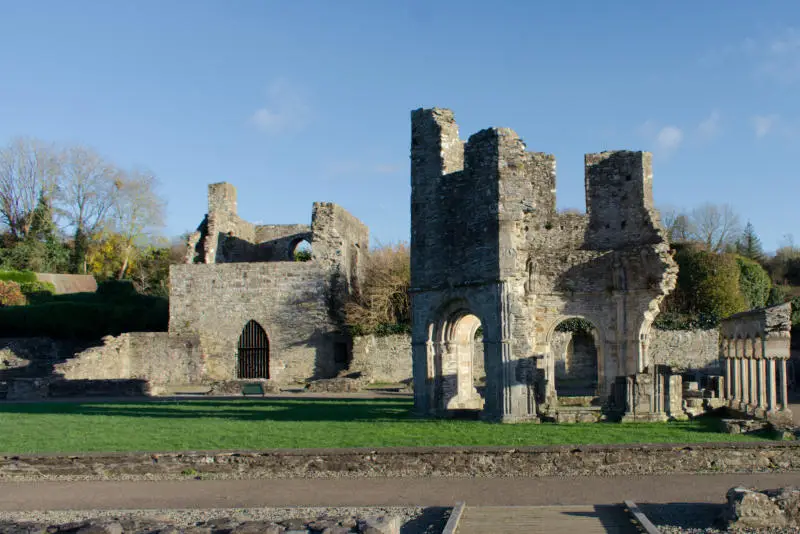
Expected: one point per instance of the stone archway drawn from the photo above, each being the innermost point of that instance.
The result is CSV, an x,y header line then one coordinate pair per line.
x,y
458,355
252,359
576,360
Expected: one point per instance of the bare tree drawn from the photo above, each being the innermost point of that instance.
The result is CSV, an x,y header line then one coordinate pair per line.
x,y
676,223
136,212
87,191
28,170
715,226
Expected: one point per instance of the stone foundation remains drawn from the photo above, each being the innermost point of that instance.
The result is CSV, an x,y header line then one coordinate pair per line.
x,y
584,460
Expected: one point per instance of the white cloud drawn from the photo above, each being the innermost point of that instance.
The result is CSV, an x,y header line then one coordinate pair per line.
x,y
709,128
764,124
669,138
665,139
774,57
781,57
286,110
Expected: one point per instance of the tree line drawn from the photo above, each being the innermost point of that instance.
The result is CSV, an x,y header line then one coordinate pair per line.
x,y
67,209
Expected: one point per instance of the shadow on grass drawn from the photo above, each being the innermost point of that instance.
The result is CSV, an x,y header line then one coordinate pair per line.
x,y
243,410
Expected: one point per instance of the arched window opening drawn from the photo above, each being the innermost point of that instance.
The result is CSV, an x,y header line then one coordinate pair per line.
x,y
253,352
302,251
575,359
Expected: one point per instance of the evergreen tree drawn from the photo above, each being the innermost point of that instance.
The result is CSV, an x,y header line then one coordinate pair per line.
x,y
749,245
80,249
41,250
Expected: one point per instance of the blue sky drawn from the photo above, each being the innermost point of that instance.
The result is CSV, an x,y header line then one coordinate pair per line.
x,y
298,101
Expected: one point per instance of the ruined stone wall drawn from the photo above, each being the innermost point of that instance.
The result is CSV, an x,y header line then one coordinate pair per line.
x,y
158,357
684,350
339,243
382,358
454,203
484,226
288,299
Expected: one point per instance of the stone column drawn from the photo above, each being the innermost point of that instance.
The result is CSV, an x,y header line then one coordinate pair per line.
x,y
753,370
745,380
762,383
771,385
728,377
783,384
737,373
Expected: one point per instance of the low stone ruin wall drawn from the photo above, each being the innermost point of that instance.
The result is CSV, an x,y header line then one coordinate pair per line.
x,y
382,358
158,357
606,460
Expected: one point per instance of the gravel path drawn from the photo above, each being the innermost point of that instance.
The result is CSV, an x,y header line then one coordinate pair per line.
x,y
415,520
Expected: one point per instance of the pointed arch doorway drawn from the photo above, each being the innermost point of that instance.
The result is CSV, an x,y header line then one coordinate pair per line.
x,y
253,352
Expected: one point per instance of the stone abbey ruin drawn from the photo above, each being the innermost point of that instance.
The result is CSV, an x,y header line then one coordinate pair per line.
x,y
499,279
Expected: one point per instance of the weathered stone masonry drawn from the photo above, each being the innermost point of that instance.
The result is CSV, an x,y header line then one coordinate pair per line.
x,y
237,272
489,248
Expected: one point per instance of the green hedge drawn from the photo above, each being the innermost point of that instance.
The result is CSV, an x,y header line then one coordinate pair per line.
x,y
754,282
19,277
85,316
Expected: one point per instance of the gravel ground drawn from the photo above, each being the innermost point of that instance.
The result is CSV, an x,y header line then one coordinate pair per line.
x,y
700,518
415,520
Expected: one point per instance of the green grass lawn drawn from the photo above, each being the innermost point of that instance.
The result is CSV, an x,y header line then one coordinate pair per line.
x,y
260,424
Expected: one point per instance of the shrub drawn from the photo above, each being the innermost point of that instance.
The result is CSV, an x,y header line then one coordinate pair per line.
x,y
11,294
777,295
576,325
795,311
38,292
754,282
382,296
708,283
19,277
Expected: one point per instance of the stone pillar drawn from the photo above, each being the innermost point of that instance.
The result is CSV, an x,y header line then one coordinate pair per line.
x,y
745,380
783,384
737,379
728,377
771,385
762,383
753,370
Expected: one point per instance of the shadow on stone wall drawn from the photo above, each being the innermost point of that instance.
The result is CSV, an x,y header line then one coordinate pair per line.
x,y
34,358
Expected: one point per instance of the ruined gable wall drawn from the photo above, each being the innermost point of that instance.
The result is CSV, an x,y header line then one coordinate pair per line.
x,y
229,238
276,242
288,299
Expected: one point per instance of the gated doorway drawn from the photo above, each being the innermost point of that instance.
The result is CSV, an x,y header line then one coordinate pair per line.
x,y
253,354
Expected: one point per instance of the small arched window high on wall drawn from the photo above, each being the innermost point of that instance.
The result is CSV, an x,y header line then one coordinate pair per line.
x,y
253,353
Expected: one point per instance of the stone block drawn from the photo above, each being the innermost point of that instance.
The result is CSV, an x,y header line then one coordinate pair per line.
x,y
747,508
383,524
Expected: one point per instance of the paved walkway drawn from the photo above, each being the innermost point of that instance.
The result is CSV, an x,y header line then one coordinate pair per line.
x,y
546,491
550,519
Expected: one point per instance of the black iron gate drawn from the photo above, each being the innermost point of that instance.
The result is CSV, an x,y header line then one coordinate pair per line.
x,y
253,352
